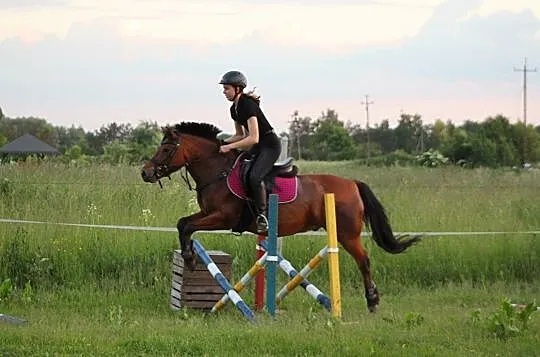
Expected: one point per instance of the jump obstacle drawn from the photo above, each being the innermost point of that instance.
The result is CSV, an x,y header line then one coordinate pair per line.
x,y
270,259
197,289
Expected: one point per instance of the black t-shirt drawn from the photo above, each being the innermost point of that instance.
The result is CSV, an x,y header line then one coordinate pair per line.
x,y
246,108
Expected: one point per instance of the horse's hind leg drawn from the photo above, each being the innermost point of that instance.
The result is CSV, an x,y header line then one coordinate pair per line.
x,y
352,245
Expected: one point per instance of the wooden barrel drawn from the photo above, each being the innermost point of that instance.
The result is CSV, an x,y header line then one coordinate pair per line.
x,y
198,289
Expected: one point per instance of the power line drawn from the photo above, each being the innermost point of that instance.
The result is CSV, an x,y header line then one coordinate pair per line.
x,y
366,103
525,70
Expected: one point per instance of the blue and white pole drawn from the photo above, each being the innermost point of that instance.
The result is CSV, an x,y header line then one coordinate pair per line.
x,y
223,282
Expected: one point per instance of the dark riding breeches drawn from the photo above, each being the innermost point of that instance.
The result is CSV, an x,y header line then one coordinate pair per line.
x,y
266,152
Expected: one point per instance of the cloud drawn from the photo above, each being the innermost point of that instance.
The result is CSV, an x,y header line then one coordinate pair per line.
x,y
17,4
400,3
334,26
97,68
449,49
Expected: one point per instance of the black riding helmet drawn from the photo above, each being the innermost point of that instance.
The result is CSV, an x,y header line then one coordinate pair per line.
x,y
234,78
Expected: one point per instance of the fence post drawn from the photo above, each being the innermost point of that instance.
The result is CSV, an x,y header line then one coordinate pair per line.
x,y
272,258
333,256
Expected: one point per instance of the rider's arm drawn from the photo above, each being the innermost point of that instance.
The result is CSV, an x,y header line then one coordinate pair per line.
x,y
238,135
251,139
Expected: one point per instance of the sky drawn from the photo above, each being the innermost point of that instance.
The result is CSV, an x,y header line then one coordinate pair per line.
x,y
91,62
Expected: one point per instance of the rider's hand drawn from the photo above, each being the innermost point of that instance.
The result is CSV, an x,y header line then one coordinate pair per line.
x,y
224,149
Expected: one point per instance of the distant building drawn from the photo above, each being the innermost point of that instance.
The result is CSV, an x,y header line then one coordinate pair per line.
x,y
27,145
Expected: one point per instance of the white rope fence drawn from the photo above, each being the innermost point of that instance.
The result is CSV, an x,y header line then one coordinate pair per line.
x,y
314,233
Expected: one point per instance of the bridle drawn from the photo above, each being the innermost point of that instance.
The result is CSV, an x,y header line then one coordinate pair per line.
x,y
162,168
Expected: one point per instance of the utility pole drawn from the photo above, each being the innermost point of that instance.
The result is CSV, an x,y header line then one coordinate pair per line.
x,y
366,103
525,70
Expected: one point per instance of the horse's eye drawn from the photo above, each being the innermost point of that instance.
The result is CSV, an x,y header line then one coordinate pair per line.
x,y
166,150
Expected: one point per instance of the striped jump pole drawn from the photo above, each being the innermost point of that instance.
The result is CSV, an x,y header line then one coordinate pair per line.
x,y
311,289
220,278
523,306
272,259
243,282
302,274
287,267
12,319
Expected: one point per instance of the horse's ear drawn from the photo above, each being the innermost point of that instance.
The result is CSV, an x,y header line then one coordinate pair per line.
x,y
164,129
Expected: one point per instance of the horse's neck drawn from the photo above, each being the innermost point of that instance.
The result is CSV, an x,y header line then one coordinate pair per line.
x,y
206,167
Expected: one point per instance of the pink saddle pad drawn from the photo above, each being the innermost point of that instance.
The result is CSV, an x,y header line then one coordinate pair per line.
x,y
285,187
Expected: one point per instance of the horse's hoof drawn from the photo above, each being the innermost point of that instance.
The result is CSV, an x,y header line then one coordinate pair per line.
x,y
190,263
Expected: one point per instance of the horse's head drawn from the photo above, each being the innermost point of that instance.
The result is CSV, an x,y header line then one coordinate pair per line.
x,y
182,144
167,159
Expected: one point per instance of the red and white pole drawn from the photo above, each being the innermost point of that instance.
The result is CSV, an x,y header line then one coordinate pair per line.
x,y
259,278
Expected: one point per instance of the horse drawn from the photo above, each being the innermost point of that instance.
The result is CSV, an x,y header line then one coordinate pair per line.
x,y
195,147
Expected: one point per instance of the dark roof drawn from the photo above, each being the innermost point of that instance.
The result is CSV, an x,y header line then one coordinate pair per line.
x,y
28,144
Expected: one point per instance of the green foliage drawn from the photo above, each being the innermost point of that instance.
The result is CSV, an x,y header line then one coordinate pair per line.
x,y
40,128
508,321
396,158
413,319
92,291
73,153
6,290
17,259
330,140
431,158
495,142
6,188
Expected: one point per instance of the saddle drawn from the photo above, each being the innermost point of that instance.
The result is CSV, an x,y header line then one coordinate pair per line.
x,y
281,180
284,169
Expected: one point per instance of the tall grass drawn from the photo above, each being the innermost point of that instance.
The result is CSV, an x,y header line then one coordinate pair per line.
x,y
416,199
103,292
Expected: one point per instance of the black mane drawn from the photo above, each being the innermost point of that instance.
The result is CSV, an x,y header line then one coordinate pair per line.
x,y
203,130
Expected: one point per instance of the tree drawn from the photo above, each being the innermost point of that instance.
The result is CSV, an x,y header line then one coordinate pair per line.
x,y
436,135
300,129
331,141
3,139
145,138
499,130
68,137
114,132
410,133
40,128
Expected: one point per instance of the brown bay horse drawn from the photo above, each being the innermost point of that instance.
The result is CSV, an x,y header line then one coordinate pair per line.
x,y
195,146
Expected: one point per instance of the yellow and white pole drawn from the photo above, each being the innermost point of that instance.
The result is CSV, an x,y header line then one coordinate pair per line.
x,y
333,254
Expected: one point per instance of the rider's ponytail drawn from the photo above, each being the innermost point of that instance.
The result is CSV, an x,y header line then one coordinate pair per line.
x,y
251,94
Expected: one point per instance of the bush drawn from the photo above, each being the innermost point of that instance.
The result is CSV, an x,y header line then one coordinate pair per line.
x,y
432,158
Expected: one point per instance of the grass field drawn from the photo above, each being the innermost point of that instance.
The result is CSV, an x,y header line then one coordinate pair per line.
x,y
87,291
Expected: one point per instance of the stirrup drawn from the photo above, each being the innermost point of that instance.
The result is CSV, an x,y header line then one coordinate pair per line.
x,y
262,223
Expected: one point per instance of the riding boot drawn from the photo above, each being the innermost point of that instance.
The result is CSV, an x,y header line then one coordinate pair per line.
x,y
259,196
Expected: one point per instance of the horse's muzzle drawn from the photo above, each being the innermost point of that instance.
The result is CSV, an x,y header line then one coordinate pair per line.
x,y
148,174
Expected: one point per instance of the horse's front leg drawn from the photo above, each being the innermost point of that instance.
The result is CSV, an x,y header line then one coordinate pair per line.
x,y
196,222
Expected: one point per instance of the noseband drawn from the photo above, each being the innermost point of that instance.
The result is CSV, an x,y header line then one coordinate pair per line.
x,y
162,168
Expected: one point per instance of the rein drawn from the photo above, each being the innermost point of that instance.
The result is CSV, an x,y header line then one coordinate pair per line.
x,y
221,176
165,167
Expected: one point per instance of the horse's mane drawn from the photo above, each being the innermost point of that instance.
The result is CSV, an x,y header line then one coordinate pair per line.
x,y
203,130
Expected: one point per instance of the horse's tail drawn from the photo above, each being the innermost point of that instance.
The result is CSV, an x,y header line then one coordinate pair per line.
x,y
375,216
